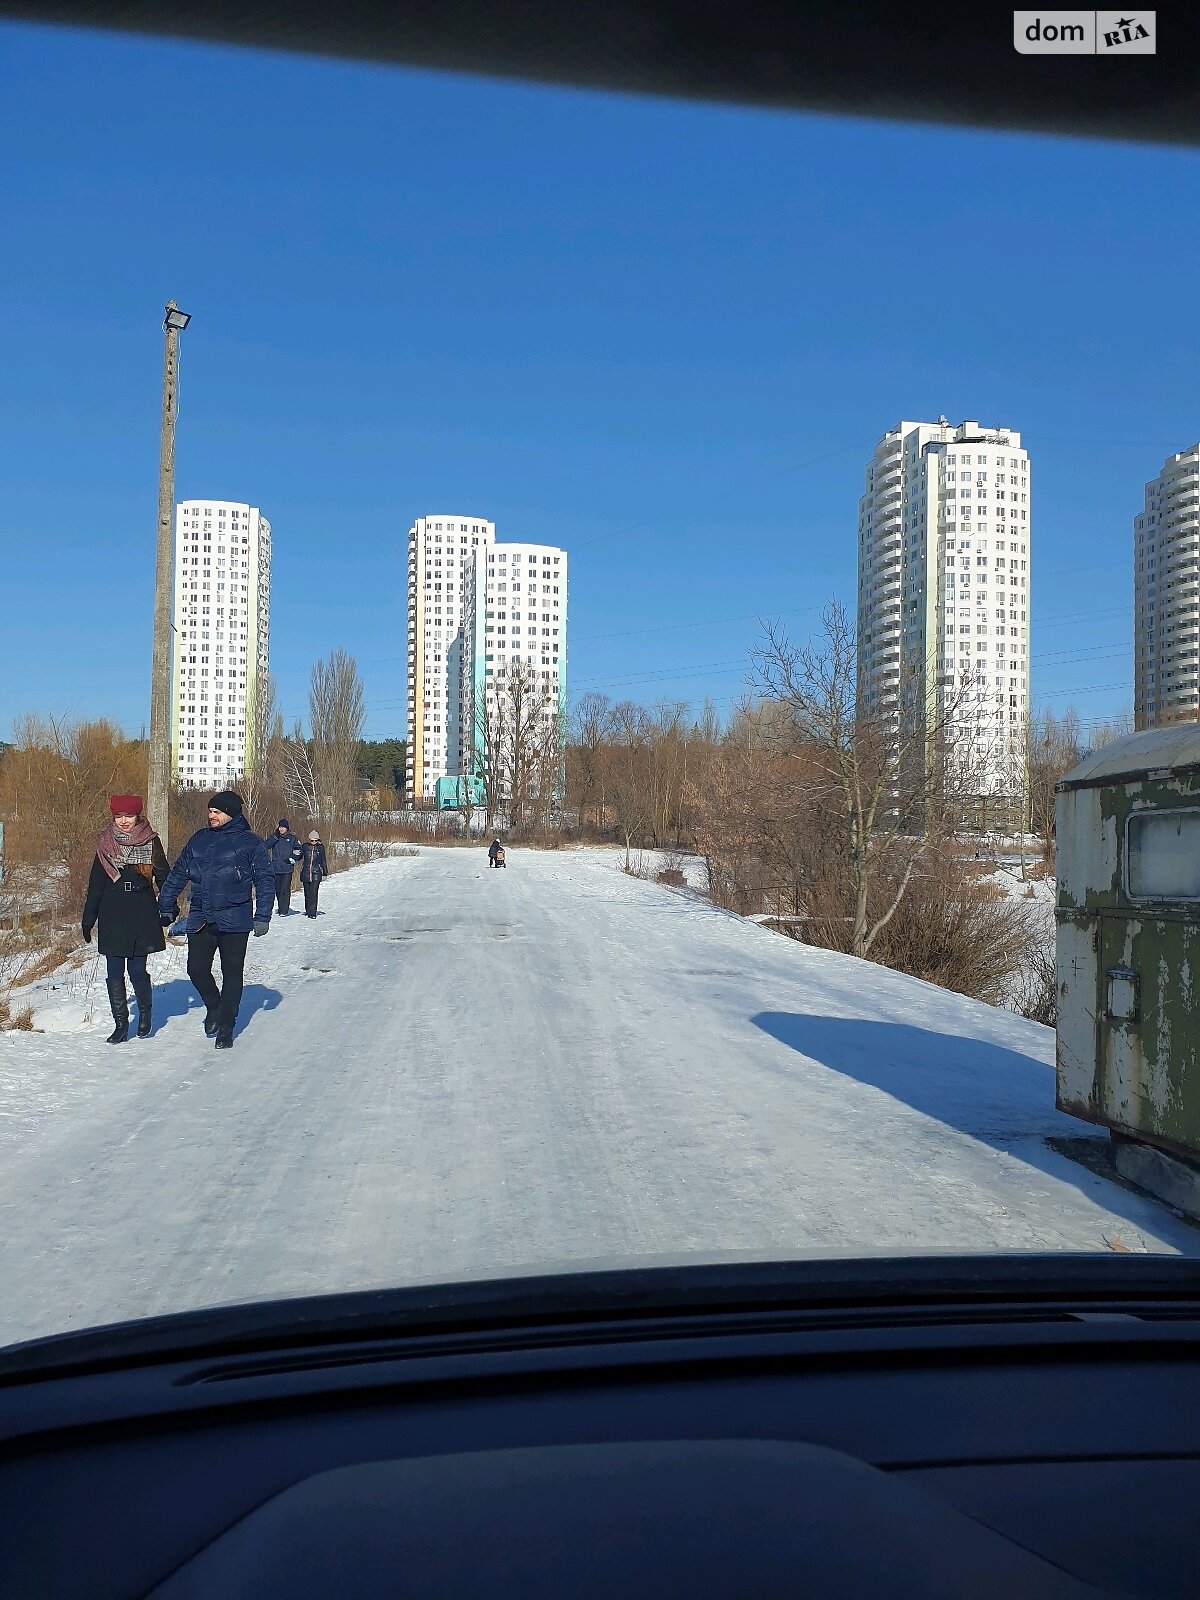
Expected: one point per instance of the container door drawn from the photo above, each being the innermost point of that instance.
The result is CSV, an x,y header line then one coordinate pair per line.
x,y
1122,1054
1077,962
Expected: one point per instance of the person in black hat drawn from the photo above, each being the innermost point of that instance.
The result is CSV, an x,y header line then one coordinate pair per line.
x,y
226,865
313,868
285,852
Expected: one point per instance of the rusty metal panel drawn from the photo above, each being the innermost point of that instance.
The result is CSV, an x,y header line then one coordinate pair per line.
x,y
1077,966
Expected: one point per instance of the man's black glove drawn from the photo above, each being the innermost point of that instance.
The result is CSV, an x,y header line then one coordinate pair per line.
x,y
166,918
87,932
260,928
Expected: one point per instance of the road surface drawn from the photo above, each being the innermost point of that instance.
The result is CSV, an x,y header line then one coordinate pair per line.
x,y
456,1071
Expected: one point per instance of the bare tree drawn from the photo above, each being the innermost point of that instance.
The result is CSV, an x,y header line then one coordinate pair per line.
x,y
526,696
298,778
548,764
627,774
897,774
593,727
1053,746
518,745
491,737
336,716
466,802
258,767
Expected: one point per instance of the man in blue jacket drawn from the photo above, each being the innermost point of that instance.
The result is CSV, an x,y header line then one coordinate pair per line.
x,y
225,864
285,852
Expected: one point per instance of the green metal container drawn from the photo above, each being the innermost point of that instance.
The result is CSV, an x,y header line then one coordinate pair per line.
x,y
450,793
1128,938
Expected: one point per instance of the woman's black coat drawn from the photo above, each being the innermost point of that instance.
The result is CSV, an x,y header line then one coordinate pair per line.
x,y
126,910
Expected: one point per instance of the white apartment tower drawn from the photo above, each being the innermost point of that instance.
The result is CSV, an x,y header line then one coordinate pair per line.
x,y
516,610
440,550
222,613
943,585
1166,589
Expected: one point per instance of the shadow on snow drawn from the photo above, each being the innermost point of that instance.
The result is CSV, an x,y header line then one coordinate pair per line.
x,y
987,1092
177,997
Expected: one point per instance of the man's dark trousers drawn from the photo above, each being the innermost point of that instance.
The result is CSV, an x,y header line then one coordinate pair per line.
x,y
202,947
283,891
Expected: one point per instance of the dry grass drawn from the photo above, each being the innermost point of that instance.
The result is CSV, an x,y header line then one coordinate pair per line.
x,y
26,955
20,1020
38,960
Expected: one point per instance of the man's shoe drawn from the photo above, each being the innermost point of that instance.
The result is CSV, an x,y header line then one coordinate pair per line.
x,y
211,1022
224,1038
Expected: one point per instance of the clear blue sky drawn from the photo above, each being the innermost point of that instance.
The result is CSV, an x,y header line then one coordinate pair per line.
x,y
666,336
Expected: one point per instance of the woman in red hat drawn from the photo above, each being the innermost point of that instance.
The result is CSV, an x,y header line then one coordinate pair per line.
x,y
129,869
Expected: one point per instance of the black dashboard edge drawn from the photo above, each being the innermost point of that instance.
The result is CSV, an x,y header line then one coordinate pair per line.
x,y
625,1294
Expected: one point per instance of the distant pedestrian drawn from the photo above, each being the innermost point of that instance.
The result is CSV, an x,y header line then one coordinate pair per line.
x,y
225,864
495,854
285,852
313,867
129,869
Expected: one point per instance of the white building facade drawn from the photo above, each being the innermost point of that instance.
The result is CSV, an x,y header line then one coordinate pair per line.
x,y
440,550
516,611
944,586
222,615
1166,596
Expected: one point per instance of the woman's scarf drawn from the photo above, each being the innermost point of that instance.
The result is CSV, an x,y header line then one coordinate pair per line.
x,y
116,849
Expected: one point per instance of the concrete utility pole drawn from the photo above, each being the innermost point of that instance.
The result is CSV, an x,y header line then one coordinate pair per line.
x,y
159,781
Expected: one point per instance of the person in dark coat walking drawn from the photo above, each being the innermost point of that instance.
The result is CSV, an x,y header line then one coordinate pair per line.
x,y
129,869
313,867
495,854
225,864
285,852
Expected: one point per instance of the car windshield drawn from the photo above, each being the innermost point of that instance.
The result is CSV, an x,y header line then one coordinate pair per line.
x,y
579,683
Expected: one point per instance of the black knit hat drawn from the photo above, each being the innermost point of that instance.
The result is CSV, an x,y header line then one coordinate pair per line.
x,y
283,823
228,802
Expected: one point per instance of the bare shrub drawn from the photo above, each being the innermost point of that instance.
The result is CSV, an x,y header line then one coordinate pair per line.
x,y
55,782
636,866
955,931
1036,992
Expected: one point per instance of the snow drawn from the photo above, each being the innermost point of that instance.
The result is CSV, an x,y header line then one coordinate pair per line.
x,y
649,863
456,1071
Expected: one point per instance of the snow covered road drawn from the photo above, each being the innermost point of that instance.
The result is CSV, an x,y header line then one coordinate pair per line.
x,y
456,1071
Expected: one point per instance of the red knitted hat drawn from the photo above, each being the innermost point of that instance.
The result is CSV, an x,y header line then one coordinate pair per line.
x,y
126,805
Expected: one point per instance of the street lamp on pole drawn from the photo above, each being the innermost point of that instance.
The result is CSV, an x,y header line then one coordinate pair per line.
x,y
159,777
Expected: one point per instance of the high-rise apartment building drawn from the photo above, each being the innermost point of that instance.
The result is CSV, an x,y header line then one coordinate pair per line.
x,y
516,611
1166,590
222,612
440,549
944,587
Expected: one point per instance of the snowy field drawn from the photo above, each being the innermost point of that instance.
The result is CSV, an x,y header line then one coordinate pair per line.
x,y
456,1071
